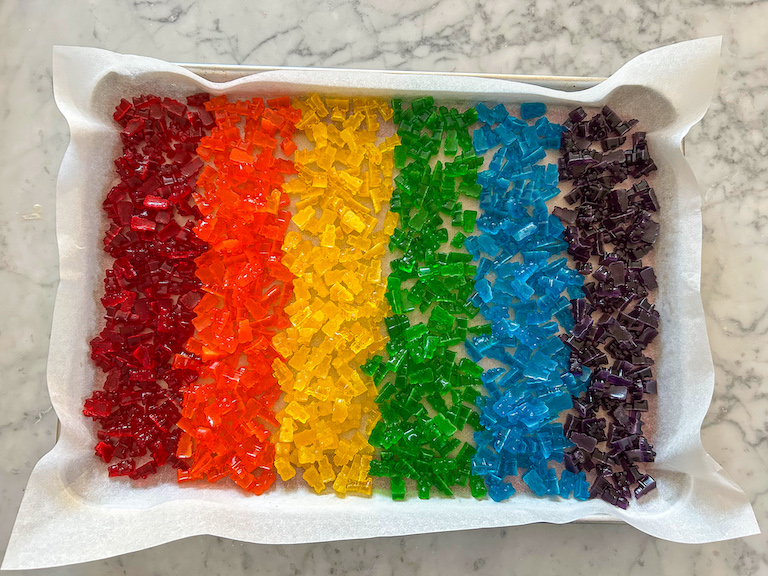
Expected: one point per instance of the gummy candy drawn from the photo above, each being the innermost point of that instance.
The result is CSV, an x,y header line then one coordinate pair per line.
x,y
344,183
520,289
425,396
150,288
615,320
228,413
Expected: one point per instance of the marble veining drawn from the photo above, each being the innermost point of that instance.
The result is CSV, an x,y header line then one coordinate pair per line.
x,y
728,151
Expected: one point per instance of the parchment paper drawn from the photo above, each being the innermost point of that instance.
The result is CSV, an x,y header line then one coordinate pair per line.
x,y
72,512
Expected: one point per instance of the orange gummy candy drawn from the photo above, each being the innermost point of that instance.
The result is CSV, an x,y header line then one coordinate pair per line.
x,y
228,414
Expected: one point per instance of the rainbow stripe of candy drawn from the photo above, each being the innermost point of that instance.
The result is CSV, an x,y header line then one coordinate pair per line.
x,y
343,301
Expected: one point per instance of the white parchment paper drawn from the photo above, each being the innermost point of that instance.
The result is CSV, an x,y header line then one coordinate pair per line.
x,y
72,512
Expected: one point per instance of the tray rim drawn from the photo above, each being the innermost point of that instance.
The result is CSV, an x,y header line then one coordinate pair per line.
x,y
227,72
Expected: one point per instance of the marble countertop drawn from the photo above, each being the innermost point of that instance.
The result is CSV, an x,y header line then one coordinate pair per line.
x,y
728,151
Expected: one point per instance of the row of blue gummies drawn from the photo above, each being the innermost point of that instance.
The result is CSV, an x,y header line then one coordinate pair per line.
x,y
523,288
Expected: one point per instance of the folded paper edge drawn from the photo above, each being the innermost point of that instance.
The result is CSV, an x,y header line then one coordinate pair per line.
x,y
26,554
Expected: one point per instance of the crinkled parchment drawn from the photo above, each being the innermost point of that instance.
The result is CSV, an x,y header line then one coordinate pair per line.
x,y
72,512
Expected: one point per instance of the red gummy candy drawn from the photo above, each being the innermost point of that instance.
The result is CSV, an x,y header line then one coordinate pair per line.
x,y
151,287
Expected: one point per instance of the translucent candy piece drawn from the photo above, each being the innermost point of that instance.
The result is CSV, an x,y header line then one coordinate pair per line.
x,y
530,110
340,297
150,287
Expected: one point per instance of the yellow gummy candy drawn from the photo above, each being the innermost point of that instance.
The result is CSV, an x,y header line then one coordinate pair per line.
x,y
284,468
339,291
286,429
353,221
326,471
295,410
317,105
340,485
328,239
302,218
312,477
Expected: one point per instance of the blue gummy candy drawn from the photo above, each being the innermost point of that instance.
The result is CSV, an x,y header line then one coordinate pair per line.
x,y
526,299
535,483
530,110
500,491
499,113
506,135
551,175
581,489
480,142
483,113
484,290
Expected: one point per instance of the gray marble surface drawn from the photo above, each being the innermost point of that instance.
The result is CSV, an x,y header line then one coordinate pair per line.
x,y
728,151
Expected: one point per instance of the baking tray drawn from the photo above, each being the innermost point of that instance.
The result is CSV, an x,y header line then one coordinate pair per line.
x,y
669,88
227,72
